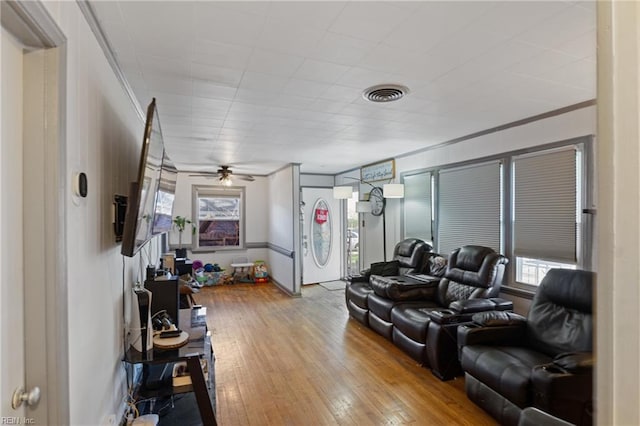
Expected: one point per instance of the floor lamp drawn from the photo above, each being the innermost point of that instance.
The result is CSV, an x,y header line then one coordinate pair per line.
x,y
389,190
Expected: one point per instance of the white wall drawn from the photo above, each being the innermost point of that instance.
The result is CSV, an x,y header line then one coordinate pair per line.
x,y
256,221
316,180
283,216
103,139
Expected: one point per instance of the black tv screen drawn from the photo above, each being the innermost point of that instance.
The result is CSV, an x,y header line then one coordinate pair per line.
x,y
139,218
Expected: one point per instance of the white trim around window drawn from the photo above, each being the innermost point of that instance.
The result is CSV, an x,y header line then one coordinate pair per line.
x,y
219,218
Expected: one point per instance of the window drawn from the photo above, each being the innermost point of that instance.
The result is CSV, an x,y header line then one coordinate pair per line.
x,y
417,206
546,212
469,205
220,218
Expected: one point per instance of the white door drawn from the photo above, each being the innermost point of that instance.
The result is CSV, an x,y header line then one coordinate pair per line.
x,y
11,224
322,240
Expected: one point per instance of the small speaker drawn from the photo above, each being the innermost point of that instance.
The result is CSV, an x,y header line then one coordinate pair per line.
x,y
165,296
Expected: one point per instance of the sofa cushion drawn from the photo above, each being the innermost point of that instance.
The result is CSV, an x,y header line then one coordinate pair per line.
x,y
505,369
412,320
358,293
399,288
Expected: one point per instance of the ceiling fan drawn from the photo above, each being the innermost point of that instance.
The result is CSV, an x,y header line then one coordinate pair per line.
x,y
224,175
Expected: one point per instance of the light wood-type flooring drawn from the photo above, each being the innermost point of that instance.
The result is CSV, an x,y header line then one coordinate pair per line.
x,y
283,360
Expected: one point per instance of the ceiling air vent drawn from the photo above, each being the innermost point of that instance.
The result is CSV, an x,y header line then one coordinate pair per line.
x,y
385,93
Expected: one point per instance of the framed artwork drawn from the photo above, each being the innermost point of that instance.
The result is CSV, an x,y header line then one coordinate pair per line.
x,y
383,170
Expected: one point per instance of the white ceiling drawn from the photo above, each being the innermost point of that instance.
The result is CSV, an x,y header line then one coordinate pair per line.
x,y
258,85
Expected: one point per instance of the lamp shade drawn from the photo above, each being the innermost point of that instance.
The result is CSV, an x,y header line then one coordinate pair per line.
x,y
393,190
342,192
363,207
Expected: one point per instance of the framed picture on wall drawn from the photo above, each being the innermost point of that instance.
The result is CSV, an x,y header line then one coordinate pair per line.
x,y
383,170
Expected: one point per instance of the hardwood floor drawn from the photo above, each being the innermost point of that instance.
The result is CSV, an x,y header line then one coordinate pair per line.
x,y
299,361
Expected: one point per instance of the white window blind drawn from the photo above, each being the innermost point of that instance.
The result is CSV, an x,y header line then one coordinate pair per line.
x,y
544,206
417,206
469,207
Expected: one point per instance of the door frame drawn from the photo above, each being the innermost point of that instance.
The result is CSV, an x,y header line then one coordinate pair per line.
x,y
45,239
339,228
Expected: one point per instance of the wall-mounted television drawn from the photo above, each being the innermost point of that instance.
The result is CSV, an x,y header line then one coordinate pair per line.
x,y
139,218
163,212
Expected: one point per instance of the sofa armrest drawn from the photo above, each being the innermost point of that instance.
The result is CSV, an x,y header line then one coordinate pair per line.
x,y
471,306
507,335
564,387
574,362
499,319
502,304
362,278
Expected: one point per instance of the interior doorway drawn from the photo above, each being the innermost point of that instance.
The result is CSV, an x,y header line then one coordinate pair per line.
x,y
34,349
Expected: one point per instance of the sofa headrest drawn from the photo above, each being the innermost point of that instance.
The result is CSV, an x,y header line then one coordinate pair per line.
x,y
406,247
571,289
560,317
476,266
470,258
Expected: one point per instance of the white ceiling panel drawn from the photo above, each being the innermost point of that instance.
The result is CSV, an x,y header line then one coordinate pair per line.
x,y
370,21
261,84
276,63
340,49
220,54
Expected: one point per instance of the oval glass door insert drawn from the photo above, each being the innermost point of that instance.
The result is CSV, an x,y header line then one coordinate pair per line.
x,y
321,233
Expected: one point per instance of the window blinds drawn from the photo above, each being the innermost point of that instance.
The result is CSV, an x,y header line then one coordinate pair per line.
x,y
417,206
544,206
469,207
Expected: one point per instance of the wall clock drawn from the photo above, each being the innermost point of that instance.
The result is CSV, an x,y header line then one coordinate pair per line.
x,y
377,201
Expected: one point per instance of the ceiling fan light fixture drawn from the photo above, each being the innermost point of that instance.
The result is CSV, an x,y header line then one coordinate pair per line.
x,y
385,93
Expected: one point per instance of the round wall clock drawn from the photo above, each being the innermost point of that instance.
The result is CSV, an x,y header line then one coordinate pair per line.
x,y
377,201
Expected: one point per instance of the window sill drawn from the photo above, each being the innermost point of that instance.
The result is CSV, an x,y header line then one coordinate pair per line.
x,y
525,293
217,249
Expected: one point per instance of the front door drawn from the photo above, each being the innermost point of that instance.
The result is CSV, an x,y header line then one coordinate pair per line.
x,y
322,240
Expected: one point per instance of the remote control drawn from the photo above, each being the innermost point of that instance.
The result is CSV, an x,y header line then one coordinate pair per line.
x,y
170,333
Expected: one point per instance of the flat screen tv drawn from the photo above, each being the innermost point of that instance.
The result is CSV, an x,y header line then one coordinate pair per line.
x,y
139,218
163,212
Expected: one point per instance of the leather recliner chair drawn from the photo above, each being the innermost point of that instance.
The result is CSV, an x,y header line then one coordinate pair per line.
x,y
407,256
543,360
471,284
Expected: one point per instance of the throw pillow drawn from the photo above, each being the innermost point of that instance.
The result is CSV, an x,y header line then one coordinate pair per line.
x,y
437,266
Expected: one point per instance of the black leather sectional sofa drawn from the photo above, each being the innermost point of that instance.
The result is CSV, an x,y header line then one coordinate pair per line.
x,y
418,299
544,360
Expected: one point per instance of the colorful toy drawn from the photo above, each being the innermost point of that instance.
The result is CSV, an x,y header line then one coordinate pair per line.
x,y
260,274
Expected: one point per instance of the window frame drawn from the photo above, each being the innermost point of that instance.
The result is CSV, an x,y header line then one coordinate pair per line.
x,y
581,188
403,207
584,244
203,191
488,162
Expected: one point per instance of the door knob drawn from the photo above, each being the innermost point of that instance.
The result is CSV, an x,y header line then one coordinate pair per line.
x,y
20,395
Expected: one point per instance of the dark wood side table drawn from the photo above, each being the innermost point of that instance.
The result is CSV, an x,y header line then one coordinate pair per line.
x,y
193,321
